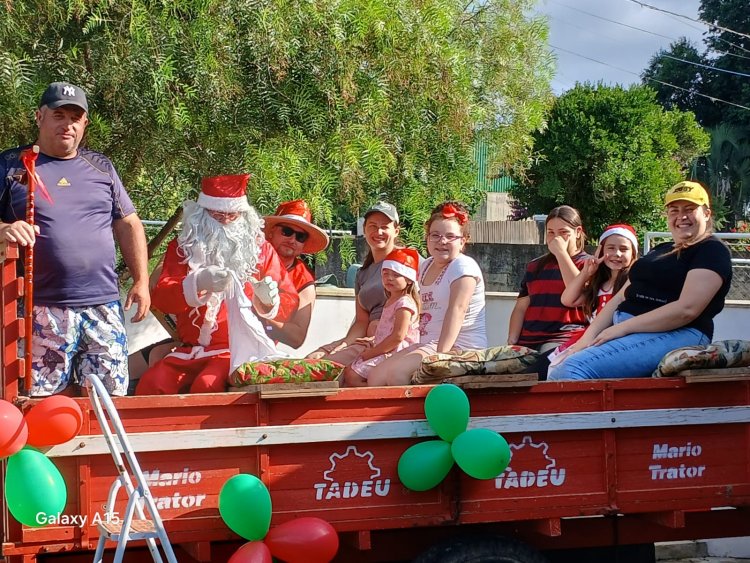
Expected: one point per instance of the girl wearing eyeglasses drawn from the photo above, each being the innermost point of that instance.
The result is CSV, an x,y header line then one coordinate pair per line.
x,y
539,319
452,294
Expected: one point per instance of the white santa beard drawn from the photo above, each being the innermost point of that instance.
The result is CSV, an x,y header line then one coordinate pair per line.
x,y
235,246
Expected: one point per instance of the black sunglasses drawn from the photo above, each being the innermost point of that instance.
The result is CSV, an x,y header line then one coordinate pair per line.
x,y
301,236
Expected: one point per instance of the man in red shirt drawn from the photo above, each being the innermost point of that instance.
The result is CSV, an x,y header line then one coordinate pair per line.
x,y
218,266
291,232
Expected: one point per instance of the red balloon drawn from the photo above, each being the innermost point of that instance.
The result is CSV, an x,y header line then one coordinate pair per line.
x,y
252,552
54,420
303,540
13,429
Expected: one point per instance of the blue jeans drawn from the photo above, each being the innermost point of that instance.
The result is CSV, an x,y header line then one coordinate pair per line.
x,y
634,355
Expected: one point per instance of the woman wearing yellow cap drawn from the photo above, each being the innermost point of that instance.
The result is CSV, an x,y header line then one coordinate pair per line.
x,y
671,297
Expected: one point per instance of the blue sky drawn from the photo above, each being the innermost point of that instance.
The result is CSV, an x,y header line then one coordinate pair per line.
x,y
629,49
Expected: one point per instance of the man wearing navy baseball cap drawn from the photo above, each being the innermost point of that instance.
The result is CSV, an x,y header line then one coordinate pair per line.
x,y
78,318
60,94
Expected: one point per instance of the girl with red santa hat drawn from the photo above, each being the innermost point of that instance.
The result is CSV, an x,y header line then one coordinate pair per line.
x,y
605,273
399,322
601,277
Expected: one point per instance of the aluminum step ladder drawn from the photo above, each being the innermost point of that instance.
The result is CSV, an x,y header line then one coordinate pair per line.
x,y
125,528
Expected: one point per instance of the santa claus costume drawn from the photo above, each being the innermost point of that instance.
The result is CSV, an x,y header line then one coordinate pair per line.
x,y
221,243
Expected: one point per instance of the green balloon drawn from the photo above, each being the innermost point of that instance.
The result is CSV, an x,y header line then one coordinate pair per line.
x,y
424,465
481,453
447,410
34,488
245,506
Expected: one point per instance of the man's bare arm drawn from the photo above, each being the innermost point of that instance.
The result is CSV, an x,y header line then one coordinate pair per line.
x,y
131,237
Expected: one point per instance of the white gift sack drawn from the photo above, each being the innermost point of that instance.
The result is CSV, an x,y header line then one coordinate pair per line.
x,y
248,341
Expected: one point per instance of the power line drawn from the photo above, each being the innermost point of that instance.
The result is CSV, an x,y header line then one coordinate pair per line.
x,y
705,66
735,45
612,21
718,38
695,27
712,98
594,60
649,31
711,25
637,29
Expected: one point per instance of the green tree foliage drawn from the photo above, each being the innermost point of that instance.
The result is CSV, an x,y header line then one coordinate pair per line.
x,y
336,101
726,170
725,167
690,79
731,52
725,51
612,153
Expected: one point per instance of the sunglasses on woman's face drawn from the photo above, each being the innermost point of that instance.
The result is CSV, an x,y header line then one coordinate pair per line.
x,y
301,236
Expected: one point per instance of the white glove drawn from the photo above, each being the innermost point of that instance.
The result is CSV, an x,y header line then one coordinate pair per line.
x,y
213,279
267,291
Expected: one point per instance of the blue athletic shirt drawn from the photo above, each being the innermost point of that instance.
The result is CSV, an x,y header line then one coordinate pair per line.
x,y
74,254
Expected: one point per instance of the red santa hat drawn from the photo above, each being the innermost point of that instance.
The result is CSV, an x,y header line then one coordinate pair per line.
x,y
403,261
621,229
297,213
224,193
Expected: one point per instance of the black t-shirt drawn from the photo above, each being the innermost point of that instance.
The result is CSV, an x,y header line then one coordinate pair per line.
x,y
658,278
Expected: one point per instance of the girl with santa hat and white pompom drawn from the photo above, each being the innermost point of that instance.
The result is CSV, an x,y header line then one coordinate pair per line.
x,y
399,324
604,274
601,277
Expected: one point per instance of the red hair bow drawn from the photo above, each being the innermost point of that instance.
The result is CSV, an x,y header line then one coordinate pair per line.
x,y
449,210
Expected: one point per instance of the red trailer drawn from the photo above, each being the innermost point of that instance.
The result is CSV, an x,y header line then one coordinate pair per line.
x,y
594,464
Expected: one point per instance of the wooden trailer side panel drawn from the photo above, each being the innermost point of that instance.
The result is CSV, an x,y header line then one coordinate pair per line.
x,y
586,467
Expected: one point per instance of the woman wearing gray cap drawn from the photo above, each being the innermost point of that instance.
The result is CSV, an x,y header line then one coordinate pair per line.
x,y
381,233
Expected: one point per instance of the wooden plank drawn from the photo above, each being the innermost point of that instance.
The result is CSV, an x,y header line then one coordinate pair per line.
x,y
166,325
290,390
716,378
722,374
497,381
266,393
381,430
496,386
718,371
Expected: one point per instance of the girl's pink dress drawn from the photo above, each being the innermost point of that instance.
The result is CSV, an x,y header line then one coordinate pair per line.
x,y
385,327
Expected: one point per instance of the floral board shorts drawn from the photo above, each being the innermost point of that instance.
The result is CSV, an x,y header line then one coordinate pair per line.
x,y
80,340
